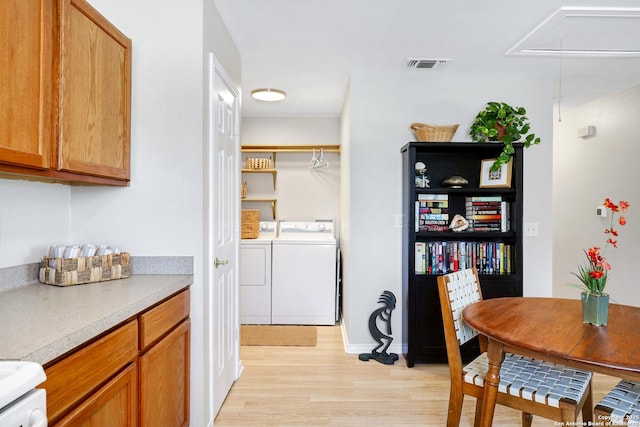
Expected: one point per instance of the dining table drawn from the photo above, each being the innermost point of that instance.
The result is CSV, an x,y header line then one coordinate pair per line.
x,y
552,329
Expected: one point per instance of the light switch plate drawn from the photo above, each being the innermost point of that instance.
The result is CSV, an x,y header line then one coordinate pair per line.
x,y
531,229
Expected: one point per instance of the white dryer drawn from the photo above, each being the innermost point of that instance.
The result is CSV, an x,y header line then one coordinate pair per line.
x,y
304,274
255,276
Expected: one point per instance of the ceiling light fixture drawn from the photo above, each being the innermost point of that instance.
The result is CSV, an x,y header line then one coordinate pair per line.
x,y
267,94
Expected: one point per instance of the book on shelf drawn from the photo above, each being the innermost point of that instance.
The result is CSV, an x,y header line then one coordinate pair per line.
x,y
433,197
420,257
483,200
443,257
485,217
489,210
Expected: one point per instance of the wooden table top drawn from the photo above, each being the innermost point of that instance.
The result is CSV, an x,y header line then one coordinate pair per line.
x,y
554,327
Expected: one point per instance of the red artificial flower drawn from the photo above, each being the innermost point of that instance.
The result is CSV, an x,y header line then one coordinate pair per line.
x,y
593,274
610,205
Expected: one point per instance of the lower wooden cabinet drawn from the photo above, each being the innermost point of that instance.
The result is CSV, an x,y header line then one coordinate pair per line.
x,y
135,375
164,363
112,405
164,381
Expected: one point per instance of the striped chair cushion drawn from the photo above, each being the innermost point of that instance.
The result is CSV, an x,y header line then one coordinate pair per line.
x,y
622,404
531,379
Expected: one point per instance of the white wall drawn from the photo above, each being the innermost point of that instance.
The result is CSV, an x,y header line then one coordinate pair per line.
x,y
33,215
379,127
586,172
302,193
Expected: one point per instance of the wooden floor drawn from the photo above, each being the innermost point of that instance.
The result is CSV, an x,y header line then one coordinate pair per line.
x,y
323,386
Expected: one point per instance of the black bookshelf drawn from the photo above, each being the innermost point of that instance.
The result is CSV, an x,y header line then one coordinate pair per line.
x,y
422,320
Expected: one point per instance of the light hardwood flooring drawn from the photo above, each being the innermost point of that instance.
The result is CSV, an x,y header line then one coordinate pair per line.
x,y
323,386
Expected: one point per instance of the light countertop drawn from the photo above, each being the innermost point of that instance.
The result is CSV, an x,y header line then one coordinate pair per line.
x,y
41,322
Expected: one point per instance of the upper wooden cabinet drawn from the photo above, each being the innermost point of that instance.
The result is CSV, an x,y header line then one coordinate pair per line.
x,y
94,93
65,109
25,82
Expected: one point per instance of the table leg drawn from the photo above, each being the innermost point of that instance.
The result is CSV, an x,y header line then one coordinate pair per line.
x,y
496,356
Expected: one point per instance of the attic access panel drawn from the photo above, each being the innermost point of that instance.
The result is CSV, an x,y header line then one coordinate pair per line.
x,y
584,32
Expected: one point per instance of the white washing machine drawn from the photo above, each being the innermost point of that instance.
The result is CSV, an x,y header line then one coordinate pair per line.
x,y
304,274
255,276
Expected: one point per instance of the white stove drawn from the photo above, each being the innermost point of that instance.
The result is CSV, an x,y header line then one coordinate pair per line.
x,y
21,404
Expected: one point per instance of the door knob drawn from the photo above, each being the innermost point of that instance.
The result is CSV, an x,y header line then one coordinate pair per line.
x,y
218,262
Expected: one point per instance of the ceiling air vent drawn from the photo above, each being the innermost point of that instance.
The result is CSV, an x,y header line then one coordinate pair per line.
x,y
426,63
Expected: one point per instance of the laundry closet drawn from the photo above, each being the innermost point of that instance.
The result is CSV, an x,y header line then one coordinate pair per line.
x,y
290,270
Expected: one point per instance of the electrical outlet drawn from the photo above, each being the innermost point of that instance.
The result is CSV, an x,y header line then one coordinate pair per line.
x,y
531,229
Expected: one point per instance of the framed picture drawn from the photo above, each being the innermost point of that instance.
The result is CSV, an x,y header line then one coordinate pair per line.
x,y
495,179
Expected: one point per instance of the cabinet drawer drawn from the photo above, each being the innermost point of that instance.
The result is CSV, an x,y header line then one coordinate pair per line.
x,y
157,321
76,376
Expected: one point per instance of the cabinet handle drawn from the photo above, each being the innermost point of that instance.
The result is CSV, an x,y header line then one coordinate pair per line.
x,y
218,262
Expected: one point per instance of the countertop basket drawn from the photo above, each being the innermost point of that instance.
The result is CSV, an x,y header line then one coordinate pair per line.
x,y
76,271
434,133
250,220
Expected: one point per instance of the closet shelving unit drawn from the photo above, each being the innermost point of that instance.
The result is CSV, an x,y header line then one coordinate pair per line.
x,y
274,150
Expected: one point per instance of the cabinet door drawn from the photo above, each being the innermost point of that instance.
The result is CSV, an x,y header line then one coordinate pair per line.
x,y
94,94
164,380
25,82
112,405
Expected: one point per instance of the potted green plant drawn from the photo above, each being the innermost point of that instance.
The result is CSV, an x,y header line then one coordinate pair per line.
x,y
500,121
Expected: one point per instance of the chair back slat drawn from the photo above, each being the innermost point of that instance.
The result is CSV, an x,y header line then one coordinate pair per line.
x,y
463,289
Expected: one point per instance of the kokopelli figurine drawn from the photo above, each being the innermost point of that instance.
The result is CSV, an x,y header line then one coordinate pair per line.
x,y
383,316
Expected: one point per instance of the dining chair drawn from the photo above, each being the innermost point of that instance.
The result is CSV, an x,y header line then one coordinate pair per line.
x,y
532,386
621,406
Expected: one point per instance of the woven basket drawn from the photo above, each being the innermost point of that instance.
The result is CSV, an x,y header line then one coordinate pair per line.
x,y
250,220
434,133
76,271
259,163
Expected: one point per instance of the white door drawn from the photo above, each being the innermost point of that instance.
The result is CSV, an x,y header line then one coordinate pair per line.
x,y
222,240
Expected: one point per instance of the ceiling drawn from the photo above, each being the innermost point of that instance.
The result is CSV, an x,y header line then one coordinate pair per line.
x,y
309,48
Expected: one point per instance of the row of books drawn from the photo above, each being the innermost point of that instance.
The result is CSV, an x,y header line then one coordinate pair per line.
x,y
487,213
484,213
449,256
432,212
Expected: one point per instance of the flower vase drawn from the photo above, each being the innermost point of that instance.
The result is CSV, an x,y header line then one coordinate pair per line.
x,y
595,308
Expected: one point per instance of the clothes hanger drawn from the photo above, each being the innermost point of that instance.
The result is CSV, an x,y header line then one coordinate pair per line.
x,y
314,160
322,163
